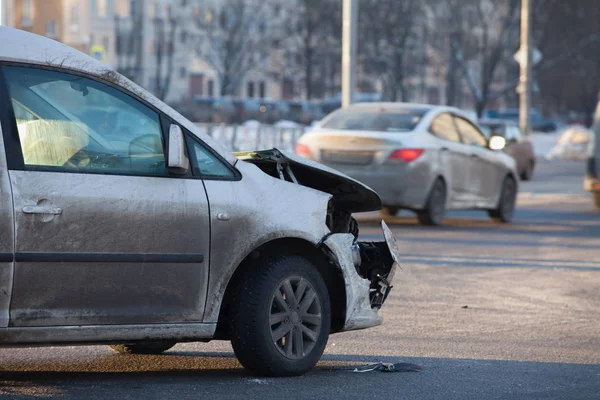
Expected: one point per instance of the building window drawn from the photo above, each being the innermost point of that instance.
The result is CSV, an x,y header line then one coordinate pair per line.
x,y
101,8
132,8
211,88
75,17
250,89
261,89
51,29
27,13
182,72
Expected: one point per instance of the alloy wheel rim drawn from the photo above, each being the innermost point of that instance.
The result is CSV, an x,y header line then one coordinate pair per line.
x,y
295,317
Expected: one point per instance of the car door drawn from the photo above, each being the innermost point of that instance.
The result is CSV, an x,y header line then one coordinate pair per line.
x,y
483,173
105,233
453,159
6,223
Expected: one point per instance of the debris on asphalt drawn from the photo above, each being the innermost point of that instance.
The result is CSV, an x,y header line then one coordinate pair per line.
x,y
389,367
465,307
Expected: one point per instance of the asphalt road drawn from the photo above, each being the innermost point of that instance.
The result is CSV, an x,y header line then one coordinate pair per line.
x,y
488,311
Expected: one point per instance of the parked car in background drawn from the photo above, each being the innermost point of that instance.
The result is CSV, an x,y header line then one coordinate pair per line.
x,y
304,112
145,238
275,110
210,109
538,121
249,109
591,181
424,158
518,146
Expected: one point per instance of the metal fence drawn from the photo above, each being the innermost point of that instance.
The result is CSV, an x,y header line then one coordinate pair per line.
x,y
254,137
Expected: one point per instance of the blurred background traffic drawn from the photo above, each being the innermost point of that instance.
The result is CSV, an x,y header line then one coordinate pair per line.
x,y
262,73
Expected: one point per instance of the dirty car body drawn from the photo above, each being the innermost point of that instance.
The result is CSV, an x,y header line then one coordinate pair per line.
x,y
149,235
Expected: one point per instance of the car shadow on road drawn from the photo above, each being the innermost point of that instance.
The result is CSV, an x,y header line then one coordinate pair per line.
x,y
195,375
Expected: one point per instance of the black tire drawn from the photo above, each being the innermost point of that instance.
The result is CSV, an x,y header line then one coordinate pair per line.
x,y
596,199
389,211
503,213
527,174
256,307
143,348
435,208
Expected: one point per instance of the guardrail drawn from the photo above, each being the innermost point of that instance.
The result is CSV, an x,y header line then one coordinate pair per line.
x,y
254,137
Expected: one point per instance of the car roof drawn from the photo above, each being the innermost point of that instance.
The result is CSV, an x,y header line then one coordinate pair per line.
x,y
496,121
416,107
24,47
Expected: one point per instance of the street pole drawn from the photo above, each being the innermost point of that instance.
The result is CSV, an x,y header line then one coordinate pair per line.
x,y
349,26
525,73
3,12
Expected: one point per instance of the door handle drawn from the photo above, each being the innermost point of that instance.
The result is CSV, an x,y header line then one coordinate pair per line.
x,y
223,216
474,155
444,149
42,210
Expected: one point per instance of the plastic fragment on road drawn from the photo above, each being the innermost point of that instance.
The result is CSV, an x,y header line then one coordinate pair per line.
x,y
388,367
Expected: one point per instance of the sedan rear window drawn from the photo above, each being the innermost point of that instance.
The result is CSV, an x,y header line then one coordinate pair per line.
x,y
388,121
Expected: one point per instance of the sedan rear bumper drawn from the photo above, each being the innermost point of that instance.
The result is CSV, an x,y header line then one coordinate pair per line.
x,y
398,185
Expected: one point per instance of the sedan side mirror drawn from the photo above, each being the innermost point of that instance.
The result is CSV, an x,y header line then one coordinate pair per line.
x,y
177,158
497,143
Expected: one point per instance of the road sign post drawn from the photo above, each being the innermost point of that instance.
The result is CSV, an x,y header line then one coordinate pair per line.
x,y
525,72
349,27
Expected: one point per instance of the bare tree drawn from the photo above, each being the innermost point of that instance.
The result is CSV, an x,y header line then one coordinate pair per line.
x,y
131,43
232,40
165,31
481,39
313,32
387,29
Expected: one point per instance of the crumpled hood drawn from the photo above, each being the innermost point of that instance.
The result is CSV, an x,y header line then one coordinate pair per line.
x,y
349,194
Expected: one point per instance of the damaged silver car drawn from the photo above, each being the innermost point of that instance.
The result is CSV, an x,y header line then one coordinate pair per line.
x,y
124,224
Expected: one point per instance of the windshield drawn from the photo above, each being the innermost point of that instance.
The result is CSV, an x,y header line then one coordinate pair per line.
x,y
492,129
389,121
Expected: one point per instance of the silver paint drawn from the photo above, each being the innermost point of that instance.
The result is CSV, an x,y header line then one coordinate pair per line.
x,y
109,214
473,175
261,209
105,333
6,237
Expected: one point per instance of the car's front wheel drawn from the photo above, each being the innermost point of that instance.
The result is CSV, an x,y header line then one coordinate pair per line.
x,y
282,319
143,348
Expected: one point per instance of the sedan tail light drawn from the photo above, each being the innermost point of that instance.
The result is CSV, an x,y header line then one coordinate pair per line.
x,y
406,155
302,150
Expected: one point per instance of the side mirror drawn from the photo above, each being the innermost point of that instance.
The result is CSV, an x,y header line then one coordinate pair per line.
x,y
497,143
177,158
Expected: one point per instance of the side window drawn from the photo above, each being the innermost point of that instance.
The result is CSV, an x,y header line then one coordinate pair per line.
x,y
206,164
510,134
516,133
70,123
469,133
444,128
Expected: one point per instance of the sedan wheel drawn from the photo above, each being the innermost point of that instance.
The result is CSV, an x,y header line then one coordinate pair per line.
x,y
283,317
506,205
435,209
527,174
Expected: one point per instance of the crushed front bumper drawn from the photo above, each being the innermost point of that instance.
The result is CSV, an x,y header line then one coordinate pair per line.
x,y
368,269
